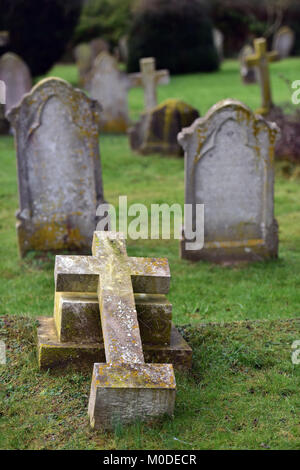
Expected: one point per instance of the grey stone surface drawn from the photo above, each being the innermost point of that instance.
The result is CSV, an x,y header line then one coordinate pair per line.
x,y
16,75
98,45
84,61
109,86
121,290
248,73
149,78
127,392
59,172
229,167
125,378
283,41
219,43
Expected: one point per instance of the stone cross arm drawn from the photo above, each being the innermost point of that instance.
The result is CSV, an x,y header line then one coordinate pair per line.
x,y
161,77
260,45
81,274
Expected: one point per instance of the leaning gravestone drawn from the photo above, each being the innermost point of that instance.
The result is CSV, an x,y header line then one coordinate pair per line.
x,y
109,86
283,41
157,129
16,76
133,344
60,182
229,167
248,73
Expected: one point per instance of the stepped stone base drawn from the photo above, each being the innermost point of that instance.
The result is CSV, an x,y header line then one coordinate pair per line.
x,y
53,354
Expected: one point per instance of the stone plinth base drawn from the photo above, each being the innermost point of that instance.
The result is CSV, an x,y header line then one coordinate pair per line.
x,y
125,392
53,354
235,251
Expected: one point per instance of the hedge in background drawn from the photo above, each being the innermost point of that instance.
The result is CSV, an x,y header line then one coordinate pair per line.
x,y
39,29
178,33
107,19
243,20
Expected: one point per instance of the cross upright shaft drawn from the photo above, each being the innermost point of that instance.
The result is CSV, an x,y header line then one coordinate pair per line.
x,y
149,78
119,321
261,60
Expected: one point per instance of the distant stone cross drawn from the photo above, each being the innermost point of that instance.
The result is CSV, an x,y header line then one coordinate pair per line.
x,y
261,60
125,387
149,78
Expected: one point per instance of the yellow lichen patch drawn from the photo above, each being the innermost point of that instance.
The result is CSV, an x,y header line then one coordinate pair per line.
x,y
115,126
50,236
233,244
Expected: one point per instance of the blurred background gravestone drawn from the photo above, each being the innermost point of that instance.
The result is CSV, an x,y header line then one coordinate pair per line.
x,y
59,172
219,43
229,167
248,73
157,129
283,41
109,86
16,75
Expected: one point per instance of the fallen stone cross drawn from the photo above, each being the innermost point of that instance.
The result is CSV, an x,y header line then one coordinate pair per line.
x,y
134,344
125,387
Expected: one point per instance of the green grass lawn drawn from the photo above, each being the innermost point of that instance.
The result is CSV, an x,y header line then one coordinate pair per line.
x,y
242,393
215,406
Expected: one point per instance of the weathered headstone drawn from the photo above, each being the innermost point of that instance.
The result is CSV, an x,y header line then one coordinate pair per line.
x,y
261,60
248,74
219,43
149,78
4,38
229,167
85,55
283,41
109,86
59,172
16,76
97,46
157,129
4,126
84,61
74,334
127,385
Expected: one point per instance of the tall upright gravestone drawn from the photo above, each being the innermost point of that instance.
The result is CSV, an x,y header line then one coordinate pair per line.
x,y
229,167
283,41
109,86
59,172
16,76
